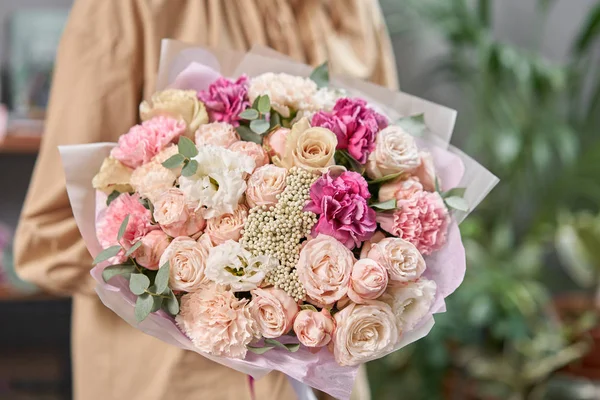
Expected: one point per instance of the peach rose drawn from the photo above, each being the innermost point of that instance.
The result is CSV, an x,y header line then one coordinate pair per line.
x,y
367,245
410,302
187,261
152,179
113,175
219,134
153,246
310,148
364,332
274,142
253,150
324,269
425,172
179,104
399,189
274,311
400,258
217,322
368,281
313,328
395,151
264,185
176,216
227,226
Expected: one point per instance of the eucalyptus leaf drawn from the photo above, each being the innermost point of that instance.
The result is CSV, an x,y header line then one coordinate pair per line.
x,y
460,192
112,196
162,278
415,125
174,161
264,104
133,248
385,205
123,227
156,300
111,271
260,350
275,120
171,305
320,75
342,157
106,254
308,307
293,347
249,114
247,135
186,147
143,306
275,343
259,126
457,203
385,179
190,168
138,283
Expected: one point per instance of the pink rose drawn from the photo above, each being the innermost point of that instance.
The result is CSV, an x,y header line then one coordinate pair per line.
x,y
399,189
176,216
144,141
140,222
274,311
187,263
354,124
400,258
314,329
377,237
217,322
226,99
227,226
264,185
152,248
274,142
253,150
324,269
421,219
425,172
341,203
219,134
368,281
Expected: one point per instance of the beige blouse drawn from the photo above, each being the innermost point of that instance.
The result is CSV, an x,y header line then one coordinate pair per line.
x,y
106,65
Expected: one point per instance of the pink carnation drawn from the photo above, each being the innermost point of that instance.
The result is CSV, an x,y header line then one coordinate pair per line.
x,y
341,202
226,99
354,124
146,140
140,221
422,219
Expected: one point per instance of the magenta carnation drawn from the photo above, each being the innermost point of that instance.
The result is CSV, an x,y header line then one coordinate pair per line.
x,y
341,203
354,124
147,139
225,99
422,219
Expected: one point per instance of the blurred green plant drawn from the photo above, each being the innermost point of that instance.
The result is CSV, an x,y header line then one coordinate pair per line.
x,y
535,124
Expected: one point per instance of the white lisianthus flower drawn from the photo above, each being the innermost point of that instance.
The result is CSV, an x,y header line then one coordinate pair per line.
x,y
219,181
410,302
234,267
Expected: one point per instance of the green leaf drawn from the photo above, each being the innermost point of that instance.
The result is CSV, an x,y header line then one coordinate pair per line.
x,y
275,120
249,114
190,168
255,103
123,227
320,75
162,278
171,305
460,192
259,126
437,185
385,179
174,161
186,147
143,306
157,301
415,125
342,157
138,283
124,270
308,307
457,203
385,205
106,254
114,194
264,104
260,350
274,343
247,134
292,347
133,248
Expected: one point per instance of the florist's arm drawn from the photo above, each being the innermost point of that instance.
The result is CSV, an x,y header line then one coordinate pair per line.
x,y
96,90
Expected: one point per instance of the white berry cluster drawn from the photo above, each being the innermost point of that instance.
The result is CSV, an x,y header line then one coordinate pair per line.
x,y
277,231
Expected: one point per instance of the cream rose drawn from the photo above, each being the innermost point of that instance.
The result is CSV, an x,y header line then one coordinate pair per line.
x,y
150,180
364,332
258,154
310,148
324,269
410,302
217,322
113,175
227,226
176,216
368,281
264,185
179,104
187,263
395,151
219,134
425,172
314,329
274,311
153,246
400,258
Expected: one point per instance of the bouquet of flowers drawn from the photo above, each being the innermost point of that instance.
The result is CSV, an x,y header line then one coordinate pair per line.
x,y
277,219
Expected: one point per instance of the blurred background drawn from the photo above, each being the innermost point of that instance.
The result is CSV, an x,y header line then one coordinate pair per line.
x,y
524,76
